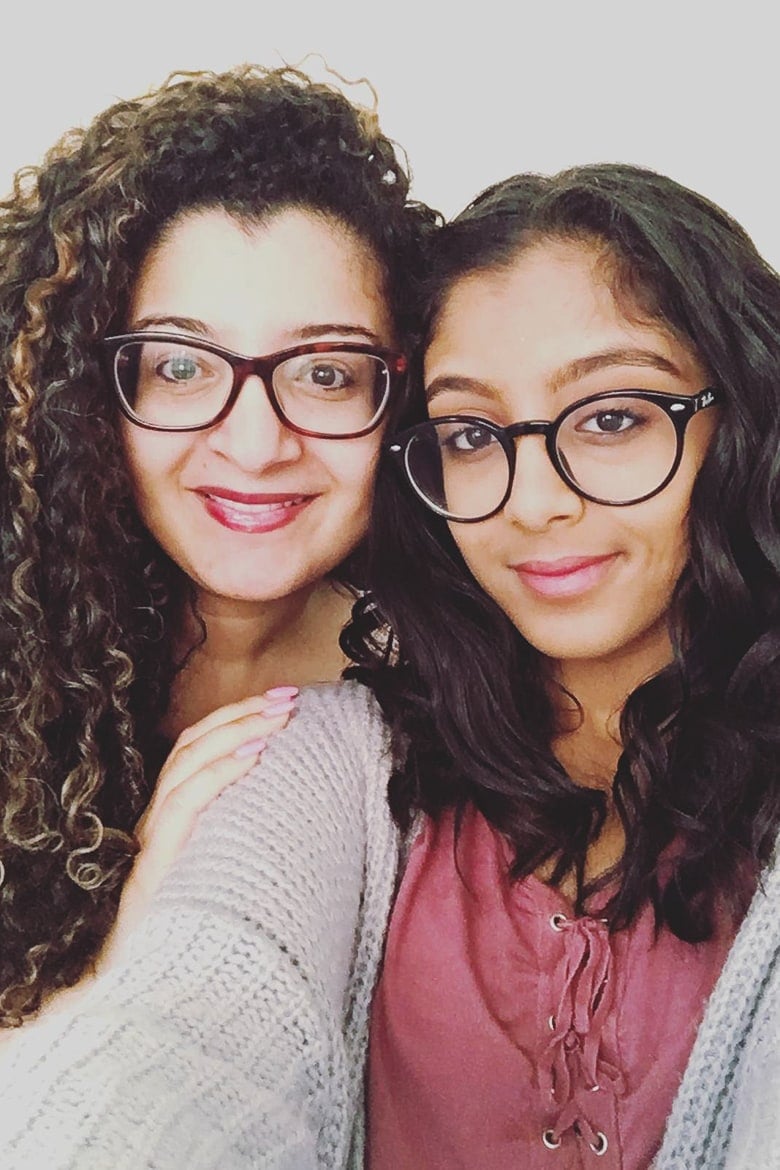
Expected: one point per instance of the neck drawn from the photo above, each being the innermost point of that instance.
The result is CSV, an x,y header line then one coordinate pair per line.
x,y
589,744
241,631
252,646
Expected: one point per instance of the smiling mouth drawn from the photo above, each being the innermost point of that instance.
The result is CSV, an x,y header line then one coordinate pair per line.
x,y
566,577
252,512
251,498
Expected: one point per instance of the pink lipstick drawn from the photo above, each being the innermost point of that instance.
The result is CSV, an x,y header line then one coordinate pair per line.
x,y
565,577
252,512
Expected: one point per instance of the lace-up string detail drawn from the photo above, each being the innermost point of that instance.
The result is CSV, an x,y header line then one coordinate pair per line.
x,y
487,984
572,1062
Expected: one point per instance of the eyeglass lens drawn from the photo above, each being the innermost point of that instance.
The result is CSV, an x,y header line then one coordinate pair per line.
x,y
173,385
616,450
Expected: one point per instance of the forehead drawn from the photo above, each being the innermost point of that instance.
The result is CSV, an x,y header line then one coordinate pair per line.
x,y
552,305
295,267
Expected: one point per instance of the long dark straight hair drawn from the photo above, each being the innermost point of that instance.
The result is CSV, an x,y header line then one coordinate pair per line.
x,y
464,693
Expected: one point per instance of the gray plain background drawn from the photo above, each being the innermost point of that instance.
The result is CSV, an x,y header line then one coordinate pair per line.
x,y
472,91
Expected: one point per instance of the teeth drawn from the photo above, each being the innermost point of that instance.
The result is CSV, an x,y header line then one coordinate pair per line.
x,y
240,505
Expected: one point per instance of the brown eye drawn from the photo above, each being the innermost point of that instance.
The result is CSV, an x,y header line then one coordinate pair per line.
x,y
328,376
608,422
469,439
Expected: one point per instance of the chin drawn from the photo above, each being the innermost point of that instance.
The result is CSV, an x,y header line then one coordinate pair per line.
x,y
577,636
252,590
571,649
647,647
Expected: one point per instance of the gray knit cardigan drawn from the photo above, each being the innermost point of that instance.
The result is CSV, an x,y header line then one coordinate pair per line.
x,y
232,1034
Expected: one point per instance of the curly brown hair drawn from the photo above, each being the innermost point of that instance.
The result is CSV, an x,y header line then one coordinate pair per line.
x,y
86,596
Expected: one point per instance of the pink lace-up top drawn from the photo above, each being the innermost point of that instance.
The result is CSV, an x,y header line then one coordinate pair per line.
x,y
508,1035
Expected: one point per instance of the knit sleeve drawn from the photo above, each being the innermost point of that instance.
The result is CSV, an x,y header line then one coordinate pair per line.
x,y
726,1114
755,1138
221,1039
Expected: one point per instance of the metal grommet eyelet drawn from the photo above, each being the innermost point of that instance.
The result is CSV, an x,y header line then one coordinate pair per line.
x,y
548,1137
558,921
601,1145
551,1023
594,1089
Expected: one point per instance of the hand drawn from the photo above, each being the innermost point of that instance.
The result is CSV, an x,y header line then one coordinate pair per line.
x,y
206,758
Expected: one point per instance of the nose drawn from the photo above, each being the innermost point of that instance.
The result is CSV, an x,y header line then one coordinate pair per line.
x,y
538,496
253,436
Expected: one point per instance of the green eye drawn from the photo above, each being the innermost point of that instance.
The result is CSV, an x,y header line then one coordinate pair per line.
x,y
182,368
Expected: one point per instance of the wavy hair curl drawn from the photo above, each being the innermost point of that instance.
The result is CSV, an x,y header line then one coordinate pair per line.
x,y
465,695
86,596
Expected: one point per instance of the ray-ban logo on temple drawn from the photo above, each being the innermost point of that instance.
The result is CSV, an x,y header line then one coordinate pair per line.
x,y
616,448
326,389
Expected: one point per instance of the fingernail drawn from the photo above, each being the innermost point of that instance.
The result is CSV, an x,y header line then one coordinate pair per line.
x,y
252,747
281,692
280,708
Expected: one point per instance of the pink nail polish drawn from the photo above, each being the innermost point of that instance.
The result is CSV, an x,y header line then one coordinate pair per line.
x,y
252,747
281,692
279,708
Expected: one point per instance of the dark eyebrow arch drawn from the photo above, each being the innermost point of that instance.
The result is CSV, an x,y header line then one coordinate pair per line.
x,y
310,332
607,358
170,325
304,333
458,385
572,372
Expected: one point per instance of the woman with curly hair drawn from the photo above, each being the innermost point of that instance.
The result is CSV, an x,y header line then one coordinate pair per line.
x,y
178,520
573,889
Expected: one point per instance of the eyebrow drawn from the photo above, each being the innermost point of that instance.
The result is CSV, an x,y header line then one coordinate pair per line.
x,y
572,372
186,324
459,385
304,332
311,331
607,358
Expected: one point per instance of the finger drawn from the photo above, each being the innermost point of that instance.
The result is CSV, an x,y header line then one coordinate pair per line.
x,y
176,818
232,711
221,737
221,742
178,809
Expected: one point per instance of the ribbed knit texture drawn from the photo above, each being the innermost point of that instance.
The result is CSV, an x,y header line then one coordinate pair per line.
x,y
232,1033
727,1112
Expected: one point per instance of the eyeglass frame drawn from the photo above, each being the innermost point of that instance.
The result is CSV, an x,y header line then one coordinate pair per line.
x,y
680,409
244,367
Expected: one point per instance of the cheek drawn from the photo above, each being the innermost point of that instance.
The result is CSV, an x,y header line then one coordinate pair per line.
x,y
136,461
666,559
352,468
657,548
151,458
664,524
479,552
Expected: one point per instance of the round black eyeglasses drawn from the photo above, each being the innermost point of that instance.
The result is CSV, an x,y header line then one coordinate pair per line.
x,y
326,389
617,448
